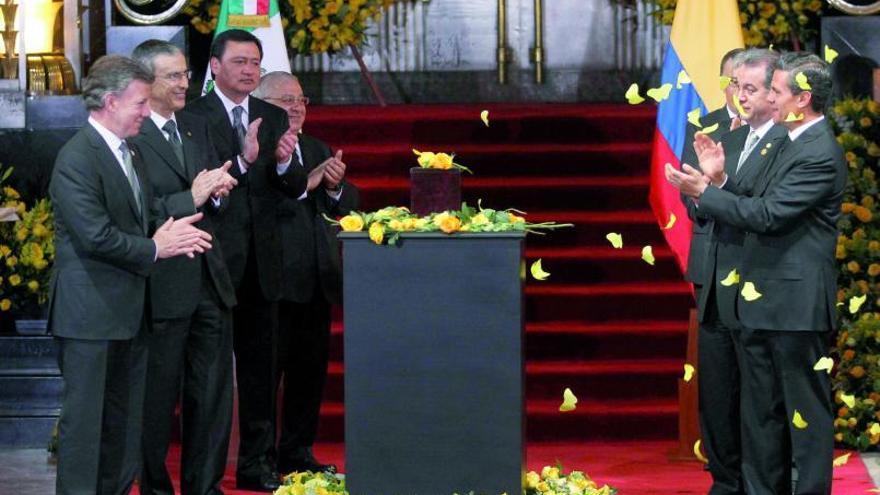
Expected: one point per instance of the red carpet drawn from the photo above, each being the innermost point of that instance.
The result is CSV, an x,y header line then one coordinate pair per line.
x,y
634,468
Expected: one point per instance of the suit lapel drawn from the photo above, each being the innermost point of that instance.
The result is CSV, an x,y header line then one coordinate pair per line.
x,y
762,155
108,160
154,138
219,121
787,150
309,152
734,143
143,177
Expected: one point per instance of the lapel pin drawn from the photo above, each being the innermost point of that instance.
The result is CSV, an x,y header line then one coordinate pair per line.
x,y
763,151
769,145
188,134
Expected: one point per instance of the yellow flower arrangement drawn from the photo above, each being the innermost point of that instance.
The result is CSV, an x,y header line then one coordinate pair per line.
x,y
783,23
857,350
311,26
440,161
27,250
554,480
387,224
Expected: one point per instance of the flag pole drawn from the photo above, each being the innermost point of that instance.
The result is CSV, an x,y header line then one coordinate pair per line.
x,y
367,76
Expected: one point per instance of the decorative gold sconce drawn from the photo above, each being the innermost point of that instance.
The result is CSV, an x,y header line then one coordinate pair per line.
x,y
48,71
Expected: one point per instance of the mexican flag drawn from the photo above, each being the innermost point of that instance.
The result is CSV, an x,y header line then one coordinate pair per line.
x,y
263,20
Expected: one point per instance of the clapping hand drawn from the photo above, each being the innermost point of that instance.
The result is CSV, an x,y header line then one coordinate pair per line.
x,y
216,183
711,157
176,237
286,146
334,171
688,180
251,143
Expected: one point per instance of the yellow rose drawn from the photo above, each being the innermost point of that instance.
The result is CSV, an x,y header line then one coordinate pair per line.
x,y
550,472
441,161
4,250
409,224
874,245
21,234
14,280
351,223
847,207
868,201
40,230
874,269
450,224
40,264
532,480
863,213
321,491
33,285
853,267
5,304
421,223
298,490
516,218
377,232
479,219
425,158
10,193
543,487
395,224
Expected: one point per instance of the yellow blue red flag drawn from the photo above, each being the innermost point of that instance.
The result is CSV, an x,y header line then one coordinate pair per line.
x,y
702,32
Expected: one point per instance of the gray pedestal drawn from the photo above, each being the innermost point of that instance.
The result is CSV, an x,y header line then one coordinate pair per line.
x,y
434,367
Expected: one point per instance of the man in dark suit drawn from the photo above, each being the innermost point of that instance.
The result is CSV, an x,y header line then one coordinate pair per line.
x,y
254,135
191,298
788,281
104,255
748,150
312,277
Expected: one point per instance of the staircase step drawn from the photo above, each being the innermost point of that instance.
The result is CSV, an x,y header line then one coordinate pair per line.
x,y
592,264
608,302
592,420
637,226
566,340
30,395
342,126
608,193
487,160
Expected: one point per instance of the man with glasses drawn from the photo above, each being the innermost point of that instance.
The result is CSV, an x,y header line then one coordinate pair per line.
x,y
311,278
191,298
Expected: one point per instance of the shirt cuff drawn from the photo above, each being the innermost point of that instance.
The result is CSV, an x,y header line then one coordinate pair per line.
x,y
334,194
281,168
156,252
241,166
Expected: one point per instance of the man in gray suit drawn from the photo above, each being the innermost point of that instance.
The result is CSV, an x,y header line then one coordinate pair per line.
x,y
787,281
191,299
104,255
749,149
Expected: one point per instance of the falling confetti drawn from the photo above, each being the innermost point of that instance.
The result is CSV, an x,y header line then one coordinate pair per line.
x,y
615,239
698,453
792,117
824,363
671,222
798,421
830,54
568,401
661,93
874,429
538,272
484,116
749,292
856,302
801,79
694,117
740,109
725,82
849,400
732,278
682,79
841,461
632,95
709,130
648,255
688,372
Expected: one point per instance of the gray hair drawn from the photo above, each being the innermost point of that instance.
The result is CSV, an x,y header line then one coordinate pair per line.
x,y
271,80
111,74
758,57
146,52
817,73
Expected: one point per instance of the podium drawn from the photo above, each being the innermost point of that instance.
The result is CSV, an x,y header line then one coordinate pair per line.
x,y
434,364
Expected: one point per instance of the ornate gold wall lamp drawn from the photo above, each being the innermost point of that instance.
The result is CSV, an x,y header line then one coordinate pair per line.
x,y
538,53
502,51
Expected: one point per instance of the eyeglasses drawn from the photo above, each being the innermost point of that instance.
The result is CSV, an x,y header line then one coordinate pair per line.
x,y
178,76
287,100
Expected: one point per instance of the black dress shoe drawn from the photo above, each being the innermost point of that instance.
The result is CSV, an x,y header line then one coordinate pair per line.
x,y
268,481
306,463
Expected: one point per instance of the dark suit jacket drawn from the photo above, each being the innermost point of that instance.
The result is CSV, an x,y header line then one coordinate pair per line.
x,y
309,245
176,283
724,242
791,224
102,253
250,219
701,227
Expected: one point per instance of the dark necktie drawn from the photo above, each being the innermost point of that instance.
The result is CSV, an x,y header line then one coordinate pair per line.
x,y
170,127
131,175
238,126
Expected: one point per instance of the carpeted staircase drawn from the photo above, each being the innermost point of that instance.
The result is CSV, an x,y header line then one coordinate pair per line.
x,y
605,324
